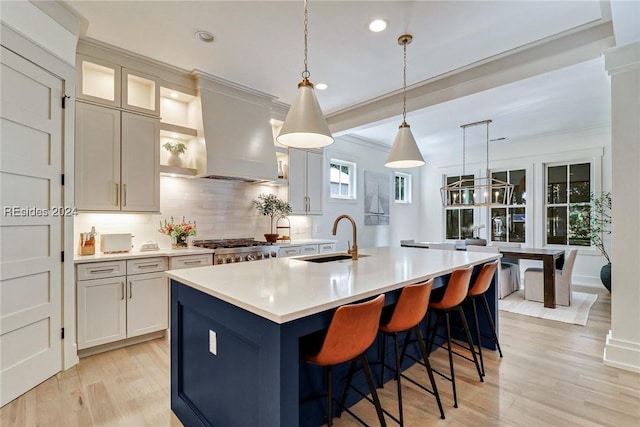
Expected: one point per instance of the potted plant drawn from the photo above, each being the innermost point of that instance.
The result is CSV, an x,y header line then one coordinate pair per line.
x,y
600,221
175,148
270,205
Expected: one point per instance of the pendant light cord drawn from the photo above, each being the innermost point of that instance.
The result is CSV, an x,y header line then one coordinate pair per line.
x,y
404,84
464,144
305,73
487,171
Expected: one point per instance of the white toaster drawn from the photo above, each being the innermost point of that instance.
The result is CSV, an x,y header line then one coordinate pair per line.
x,y
114,243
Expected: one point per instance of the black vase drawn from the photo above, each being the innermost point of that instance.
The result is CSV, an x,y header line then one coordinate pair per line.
x,y
605,276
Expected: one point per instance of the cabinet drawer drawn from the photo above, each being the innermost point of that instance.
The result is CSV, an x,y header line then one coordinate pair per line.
x,y
101,270
289,251
146,265
309,250
188,261
326,247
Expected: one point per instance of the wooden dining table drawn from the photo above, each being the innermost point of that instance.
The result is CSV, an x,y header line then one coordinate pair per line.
x,y
552,259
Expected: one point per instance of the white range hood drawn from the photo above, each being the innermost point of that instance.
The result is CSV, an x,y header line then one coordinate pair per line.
x,y
237,132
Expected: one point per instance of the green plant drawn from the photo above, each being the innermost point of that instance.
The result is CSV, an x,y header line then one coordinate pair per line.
x,y
177,147
600,221
270,205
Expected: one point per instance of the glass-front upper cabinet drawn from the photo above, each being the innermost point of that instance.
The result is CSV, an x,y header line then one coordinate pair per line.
x,y
110,84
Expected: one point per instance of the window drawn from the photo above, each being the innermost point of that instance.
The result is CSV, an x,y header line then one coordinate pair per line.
x,y
508,223
458,220
342,179
403,187
568,205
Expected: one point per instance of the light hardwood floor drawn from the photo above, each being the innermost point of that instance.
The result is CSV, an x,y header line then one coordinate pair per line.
x,y
551,374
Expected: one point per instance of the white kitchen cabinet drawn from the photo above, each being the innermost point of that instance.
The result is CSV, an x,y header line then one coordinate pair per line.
x,y
326,248
102,311
287,251
189,261
117,160
305,181
308,249
147,303
115,306
110,84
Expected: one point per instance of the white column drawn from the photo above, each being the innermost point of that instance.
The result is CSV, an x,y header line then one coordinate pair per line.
x,y
622,348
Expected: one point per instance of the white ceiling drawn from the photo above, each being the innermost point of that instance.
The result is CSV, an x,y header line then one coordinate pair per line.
x,y
260,44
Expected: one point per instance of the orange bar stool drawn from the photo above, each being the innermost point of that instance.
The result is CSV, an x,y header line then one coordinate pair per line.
x,y
407,314
454,295
478,291
351,332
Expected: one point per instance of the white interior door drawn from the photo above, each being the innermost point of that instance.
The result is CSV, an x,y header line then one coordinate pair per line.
x,y
30,228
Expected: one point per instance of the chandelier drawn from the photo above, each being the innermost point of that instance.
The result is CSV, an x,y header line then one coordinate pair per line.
x,y
472,192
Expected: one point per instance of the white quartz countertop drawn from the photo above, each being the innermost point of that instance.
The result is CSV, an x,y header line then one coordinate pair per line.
x,y
79,259
285,289
300,242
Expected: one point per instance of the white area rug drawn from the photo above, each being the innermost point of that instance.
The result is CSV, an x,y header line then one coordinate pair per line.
x,y
577,312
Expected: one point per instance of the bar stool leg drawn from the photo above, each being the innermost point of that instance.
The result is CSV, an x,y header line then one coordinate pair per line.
x,y
372,387
467,332
451,370
398,376
427,365
491,324
384,359
477,325
329,380
343,399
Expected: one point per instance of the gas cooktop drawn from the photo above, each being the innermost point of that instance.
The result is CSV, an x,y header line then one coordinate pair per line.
x,y
229,243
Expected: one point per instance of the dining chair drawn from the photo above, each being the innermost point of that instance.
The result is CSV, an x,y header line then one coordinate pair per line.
x,y
534,281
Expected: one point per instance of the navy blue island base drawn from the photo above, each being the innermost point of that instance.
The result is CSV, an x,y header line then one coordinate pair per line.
x,y
254,378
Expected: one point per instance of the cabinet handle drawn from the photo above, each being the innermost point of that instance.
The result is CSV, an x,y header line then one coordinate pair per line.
x,y
122,290
308,249
192,262
104,270
149,265
117,194
130,289
124,196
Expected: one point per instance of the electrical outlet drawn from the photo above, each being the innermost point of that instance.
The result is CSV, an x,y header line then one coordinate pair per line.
x,y
213,342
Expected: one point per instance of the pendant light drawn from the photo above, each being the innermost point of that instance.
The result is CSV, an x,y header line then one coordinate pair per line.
x,y
405,152
305,125
472,192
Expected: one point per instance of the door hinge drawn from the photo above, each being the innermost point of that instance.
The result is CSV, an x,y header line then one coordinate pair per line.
x,y
62,256
64,100
62,179
62,333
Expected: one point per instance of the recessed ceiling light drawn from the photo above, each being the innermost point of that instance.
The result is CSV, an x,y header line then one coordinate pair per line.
x,y
378,25
204,36
174,95
321,86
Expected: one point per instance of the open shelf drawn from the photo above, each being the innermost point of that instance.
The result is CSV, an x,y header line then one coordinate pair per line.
x,y
177,171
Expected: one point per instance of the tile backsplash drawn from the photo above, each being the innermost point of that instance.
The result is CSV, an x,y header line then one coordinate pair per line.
x,y
221,209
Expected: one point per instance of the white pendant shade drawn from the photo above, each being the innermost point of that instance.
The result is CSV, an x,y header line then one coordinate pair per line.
x,y
305,125
405,152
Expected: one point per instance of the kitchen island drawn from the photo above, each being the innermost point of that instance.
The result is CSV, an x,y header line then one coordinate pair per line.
x,y
235,328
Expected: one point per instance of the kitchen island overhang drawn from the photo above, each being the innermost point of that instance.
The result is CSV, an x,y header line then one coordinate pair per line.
x,y
252,316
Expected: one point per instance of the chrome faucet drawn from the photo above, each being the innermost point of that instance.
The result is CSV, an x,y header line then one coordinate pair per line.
x,y
353,251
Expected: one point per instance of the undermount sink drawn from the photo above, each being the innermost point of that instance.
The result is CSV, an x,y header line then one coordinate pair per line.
x,y
330,257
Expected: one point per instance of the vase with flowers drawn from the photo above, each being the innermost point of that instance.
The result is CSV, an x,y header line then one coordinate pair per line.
x,y
270,205
179,231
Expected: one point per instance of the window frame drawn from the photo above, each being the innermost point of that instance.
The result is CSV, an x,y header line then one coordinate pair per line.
x,y
408,189
512,206
568,204
463,233
352,181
